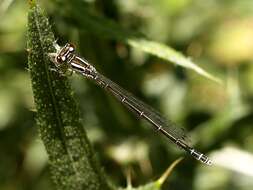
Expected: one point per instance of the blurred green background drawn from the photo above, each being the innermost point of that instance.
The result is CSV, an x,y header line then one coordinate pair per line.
x,y
216,34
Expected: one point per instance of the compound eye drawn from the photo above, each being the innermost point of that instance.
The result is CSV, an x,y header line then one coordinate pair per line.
x,y
58,59
63,58
71,48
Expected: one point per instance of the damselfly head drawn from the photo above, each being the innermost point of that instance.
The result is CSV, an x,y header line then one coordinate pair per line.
x,y
60,59
68,48
62,53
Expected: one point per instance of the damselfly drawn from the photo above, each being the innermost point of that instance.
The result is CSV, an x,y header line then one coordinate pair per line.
x,y
65,59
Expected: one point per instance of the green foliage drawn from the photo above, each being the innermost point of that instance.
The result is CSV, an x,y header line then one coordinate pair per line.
x,y
71,158
70,154
132,42
106,28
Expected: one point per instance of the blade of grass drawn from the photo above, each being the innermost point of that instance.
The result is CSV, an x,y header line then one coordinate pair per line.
x,y
71,157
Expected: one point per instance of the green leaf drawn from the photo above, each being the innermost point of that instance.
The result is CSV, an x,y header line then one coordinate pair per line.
x,y
106,28
169,54
71,157
156,185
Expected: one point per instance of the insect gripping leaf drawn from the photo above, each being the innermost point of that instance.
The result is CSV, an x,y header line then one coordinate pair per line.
x,y
71,157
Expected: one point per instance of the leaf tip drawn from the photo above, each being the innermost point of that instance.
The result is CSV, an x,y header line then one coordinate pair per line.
x,y
164,176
